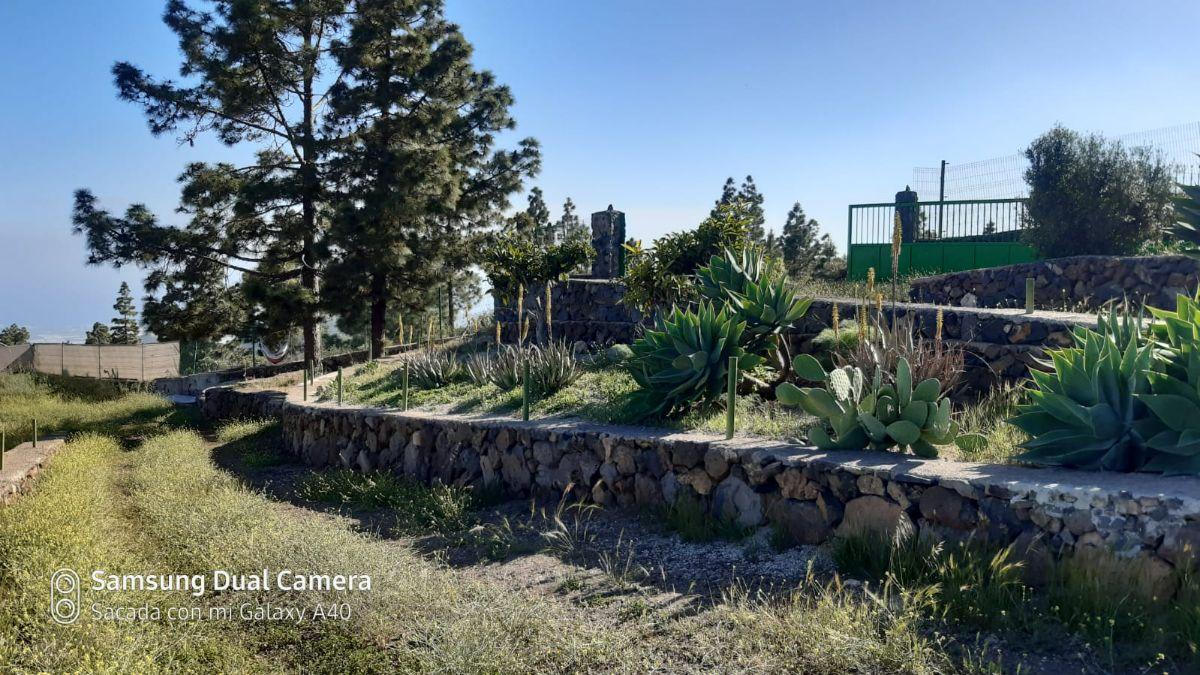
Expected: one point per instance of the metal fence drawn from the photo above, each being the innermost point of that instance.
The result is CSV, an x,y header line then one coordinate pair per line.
x,y
963,220
141,362
937,237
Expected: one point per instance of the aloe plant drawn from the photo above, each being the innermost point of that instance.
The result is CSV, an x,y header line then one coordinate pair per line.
x,y
1087,410
855,415
683,360
757,291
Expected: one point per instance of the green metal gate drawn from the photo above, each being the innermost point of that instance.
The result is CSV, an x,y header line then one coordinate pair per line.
x,y
938,237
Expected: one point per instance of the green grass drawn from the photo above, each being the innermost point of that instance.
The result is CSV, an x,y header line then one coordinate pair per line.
x,y
164,506
69,406
1094,597
415,506
989,417
688,517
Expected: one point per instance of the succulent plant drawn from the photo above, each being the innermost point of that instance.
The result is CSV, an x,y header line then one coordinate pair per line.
x,y
433,368
1187,209
479,368
683,360
552,367
757,291
1175,387
505,369
1087,410
855,415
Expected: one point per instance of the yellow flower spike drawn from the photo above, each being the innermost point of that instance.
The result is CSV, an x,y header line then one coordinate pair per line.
x,y
835,321
870,279
497,333
941,320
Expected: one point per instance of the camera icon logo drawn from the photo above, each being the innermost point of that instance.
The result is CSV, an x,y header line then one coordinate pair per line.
x,y
64,596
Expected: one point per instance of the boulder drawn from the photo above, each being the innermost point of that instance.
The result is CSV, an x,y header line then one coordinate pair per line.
x,y
735,501
871,513
802,522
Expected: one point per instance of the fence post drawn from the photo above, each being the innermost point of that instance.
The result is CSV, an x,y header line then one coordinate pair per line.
x,y
35,432
143,345
1029,295
62,358
3,447
729,397
305,381
339,385
99,363
406,384
525,391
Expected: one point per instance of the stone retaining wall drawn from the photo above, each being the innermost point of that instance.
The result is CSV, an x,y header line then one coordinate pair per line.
x,y
587,310
1002,344
1079,282
809,495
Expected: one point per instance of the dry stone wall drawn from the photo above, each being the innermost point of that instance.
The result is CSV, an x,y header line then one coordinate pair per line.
x,y
1078,282
581,310
807,494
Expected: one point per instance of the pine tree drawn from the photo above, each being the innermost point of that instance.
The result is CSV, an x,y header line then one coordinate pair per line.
x,y
750,206
253,73
125,329
98,335
570,224
539,214
421,173
14,335
807,252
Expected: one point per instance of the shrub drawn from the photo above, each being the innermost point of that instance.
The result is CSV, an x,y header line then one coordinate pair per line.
x,y
683,360
883,417
662,276
1091,195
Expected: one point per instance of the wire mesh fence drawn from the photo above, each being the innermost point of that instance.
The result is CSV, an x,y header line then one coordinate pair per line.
x,y
1004,177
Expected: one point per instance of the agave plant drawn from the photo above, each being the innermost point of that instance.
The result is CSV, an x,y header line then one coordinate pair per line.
x,y
1175,387
1187,210
881,417
683,360
755,289
1087,410
433,368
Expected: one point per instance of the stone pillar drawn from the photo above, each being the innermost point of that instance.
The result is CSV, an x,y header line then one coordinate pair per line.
x,y
910,215
608,234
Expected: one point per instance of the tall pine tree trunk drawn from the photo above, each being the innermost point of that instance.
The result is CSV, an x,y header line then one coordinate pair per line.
x,y
308,198
379,302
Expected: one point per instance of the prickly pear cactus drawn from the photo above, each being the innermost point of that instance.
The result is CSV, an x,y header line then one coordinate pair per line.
x,y
881,417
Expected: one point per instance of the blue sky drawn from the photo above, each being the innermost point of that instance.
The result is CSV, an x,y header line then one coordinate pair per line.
x,y
644,105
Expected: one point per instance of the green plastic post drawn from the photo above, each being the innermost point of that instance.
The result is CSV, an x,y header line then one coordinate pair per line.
x,y
35,432
305,381
339,385
406,384
3,447
1029,295
729,397
525,392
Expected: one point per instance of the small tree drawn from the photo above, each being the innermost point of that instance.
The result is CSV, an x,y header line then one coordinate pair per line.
x,y
99,335
806,252
14,335
1089,195
749,203
125,328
